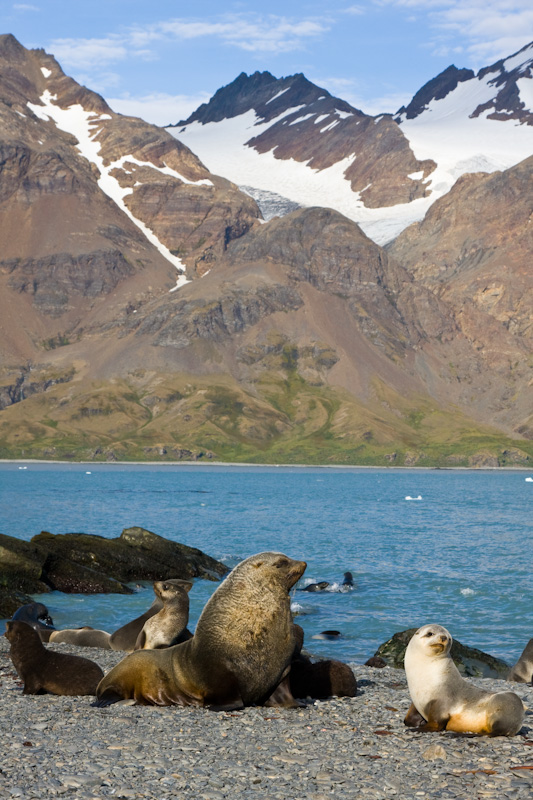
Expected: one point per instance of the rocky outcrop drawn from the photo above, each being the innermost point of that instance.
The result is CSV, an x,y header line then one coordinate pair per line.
x,y
469,661
79,562
435,89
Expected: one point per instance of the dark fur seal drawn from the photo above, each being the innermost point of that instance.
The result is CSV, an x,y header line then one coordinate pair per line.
x,y
443,700
166,627
240,653
125,637
522,672
321,586
322,679
45,671
82,637
36,615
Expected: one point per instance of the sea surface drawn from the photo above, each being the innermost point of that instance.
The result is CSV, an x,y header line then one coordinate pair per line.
x,y
459,553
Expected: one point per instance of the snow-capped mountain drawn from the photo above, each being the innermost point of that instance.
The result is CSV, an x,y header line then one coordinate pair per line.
x,y
293,138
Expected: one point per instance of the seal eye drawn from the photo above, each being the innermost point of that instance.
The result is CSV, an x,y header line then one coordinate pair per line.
x,y
281,562
429,633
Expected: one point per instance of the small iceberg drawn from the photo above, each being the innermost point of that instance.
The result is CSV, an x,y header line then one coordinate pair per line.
x,y
528,480
88,473
23,467
414,498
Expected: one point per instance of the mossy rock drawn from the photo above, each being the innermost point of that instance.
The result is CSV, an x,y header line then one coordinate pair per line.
x,y
21,566
469,661
10,601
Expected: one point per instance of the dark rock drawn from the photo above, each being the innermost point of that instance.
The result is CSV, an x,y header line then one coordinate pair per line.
x,y
21,566
10,601
136,555
468,660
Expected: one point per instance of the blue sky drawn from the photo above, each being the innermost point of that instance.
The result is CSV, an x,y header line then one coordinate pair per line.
x,y
159,60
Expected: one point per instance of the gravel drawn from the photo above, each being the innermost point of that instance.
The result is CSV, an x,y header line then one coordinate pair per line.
x,y
355,747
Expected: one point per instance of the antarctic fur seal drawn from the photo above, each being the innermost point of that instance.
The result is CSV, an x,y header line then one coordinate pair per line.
x,y
239,655
322,679
124,638
42,670
82,637
444,700
522,672
36,615
166,627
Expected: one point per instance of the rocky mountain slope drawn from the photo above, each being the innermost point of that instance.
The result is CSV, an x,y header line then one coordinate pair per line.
x,y
148,312
288,136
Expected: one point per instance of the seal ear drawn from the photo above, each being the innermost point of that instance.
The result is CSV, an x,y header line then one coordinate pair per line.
x,y
258,564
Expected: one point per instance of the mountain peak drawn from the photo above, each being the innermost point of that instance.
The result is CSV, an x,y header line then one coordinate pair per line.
x,y
435,89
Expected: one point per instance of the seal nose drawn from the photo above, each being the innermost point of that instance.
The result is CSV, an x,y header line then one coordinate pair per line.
x,y
443,637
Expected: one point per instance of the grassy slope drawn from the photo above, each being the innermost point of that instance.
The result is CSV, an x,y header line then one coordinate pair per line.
x,y
280,419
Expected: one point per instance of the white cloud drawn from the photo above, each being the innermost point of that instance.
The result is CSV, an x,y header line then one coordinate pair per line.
x,y
25,7
89,54
354,92
159,108
484,30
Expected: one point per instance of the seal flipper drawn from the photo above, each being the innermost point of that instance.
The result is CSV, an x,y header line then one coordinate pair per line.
x,y
282,696
107,698
413,718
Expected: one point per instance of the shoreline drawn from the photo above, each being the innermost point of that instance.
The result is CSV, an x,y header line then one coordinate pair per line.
x,y
357,747
248,465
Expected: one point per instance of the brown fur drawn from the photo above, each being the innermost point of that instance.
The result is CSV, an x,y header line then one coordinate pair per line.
x,y
322,679
42,670
166,627
240,653
125,637
522,672
82,637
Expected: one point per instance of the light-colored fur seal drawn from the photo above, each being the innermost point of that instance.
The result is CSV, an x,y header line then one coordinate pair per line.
x,y
82,637
443,698
166,627
240,654
42,670
522,672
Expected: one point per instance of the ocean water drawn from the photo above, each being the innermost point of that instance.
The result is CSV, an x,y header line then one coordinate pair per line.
x,y
459,553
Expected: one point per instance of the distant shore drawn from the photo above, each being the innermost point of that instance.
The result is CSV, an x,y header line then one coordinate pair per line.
x,y
251,465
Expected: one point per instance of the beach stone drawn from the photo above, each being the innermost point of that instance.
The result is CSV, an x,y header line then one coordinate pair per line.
x,y
434,752
470,661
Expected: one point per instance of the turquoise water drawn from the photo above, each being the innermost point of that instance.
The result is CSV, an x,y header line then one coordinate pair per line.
x,y
460,556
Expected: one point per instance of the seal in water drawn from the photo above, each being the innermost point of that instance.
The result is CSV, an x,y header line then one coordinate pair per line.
x,y
82,637
316,587
443,700
239,655
42,670
36,615
125,637
522,672
166,628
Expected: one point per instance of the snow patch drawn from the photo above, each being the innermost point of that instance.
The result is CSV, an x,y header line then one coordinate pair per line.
x,y
301,119
277,95
46,72
521,59
81,124
330,126
416,176
343,114
525,91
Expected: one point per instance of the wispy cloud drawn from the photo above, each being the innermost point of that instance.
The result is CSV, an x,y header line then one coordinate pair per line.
x,y
24,7
89,54
355,93
484,30
159,108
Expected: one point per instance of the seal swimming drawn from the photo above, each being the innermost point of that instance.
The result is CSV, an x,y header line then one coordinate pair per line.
x,y
42,670
167,627
443,700
239,655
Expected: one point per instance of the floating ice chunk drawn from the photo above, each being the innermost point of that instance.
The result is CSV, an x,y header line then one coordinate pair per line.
x,y
467,592
529,480
414,498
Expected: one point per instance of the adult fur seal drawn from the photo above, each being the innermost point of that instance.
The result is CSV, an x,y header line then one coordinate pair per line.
x,y
240,653
166,627
82,637
45,671
125,637
445,700
522,672
36,615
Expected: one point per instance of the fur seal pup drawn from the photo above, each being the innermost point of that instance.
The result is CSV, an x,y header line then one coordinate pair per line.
x,y
42,670
522,672
444,700
124,638
322,679
82,637
166,627
36,615
239,655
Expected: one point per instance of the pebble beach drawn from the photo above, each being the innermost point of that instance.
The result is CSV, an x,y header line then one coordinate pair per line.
x,y
352,747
